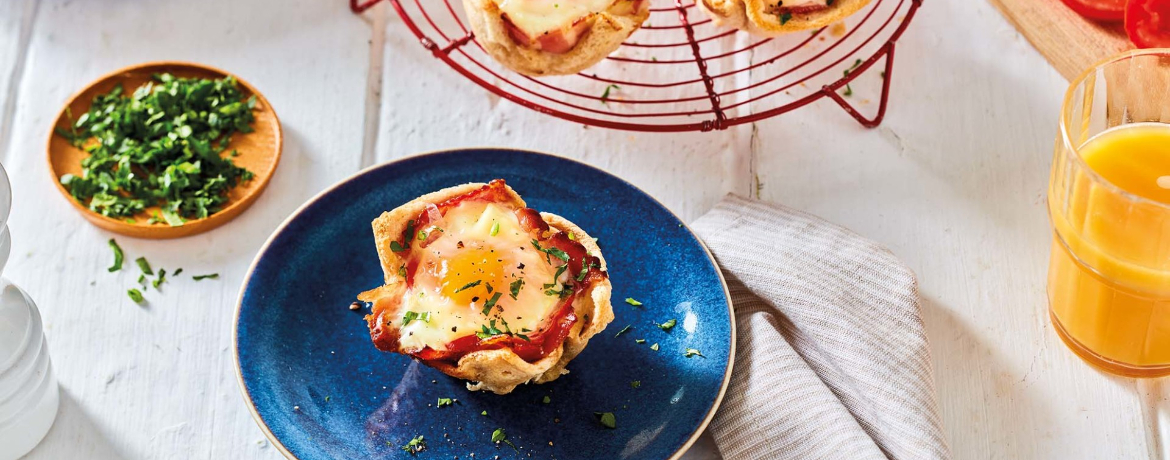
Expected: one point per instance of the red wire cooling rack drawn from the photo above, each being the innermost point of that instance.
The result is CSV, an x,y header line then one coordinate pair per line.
x,y
682,73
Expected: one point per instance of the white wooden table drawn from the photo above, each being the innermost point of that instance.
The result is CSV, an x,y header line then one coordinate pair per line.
x,y
953,182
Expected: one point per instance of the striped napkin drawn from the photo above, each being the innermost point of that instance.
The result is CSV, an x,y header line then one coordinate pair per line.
x,y
831,358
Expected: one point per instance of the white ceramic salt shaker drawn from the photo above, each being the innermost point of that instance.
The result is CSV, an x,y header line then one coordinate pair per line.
x,y
28,390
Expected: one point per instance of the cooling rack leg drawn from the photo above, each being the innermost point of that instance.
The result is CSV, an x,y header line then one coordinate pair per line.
x,y
831,91
359,7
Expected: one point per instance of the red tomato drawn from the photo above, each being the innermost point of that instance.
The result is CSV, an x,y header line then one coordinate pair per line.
x,y
1147,23
1101,10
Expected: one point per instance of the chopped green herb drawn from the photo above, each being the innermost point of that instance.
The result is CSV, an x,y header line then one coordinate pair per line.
x,y
572,237
499,435
327,398
177,272
606,419
422,235
848,89
668,325
411,316
631,301
489,288
635,384
623,331
142,280
785,17
416,445
487,306
144,266
162,278
402,270
605,94
468,286
515,287
522,336
554,252
654,347
693,352
639,340
394,246
443,402
135,295
163,145
584,271
484,413
212,276
495,228
546,400
117,256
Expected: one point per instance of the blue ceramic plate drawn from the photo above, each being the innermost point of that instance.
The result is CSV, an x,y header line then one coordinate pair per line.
x,y
320,389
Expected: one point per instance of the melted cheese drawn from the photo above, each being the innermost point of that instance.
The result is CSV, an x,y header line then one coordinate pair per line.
x,y
467,254
539,16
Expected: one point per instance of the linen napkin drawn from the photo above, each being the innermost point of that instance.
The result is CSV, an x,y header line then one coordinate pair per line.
x,y
831,358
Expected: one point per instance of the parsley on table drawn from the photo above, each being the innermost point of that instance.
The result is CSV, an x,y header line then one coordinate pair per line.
x,y
416,445
162,146
211,276
135,295
654,347
623,331
631,301
117,256
177,272
693,352
606,419
162,278
639,340
668,325
605,94
444,402
484,413
785,17
849,90
499,436
635,384
546,400
144,266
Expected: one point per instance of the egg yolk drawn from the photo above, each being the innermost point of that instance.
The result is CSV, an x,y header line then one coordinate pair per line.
x,y
473,276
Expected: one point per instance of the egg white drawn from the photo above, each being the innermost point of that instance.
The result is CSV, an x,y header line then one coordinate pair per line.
x,y
466,233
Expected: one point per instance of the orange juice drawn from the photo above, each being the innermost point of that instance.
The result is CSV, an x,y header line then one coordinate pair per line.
x,y
1109,277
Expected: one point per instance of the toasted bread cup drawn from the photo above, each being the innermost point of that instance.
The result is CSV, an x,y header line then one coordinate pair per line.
x,y
769,18
595,38
496,370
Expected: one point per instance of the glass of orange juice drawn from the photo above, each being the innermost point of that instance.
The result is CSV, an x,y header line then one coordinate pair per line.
x,y
1109,202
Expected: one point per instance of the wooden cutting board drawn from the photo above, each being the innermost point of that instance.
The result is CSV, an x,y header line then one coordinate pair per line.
x,y
1069,42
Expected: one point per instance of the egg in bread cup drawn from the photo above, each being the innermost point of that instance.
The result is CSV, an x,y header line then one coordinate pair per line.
x,y
553,37
771,18
485,289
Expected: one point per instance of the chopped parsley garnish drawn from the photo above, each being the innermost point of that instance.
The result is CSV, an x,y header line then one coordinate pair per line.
x,y
135,295
443,402
468,286
584,271
412,316
117,256
144,266
554,252
546,400
416,445
631,301
484,413
515,287
639,340
693,352
668,325
162,278
177,272
487,331
495,228
849,90
623,331
522,336
572,237
489,288
654,347
487,306
635,384
422,235
785,17
394,246
499,435
211,276
605,94
160,146
606,419
402,270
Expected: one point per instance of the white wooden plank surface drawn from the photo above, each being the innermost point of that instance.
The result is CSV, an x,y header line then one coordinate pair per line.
x,y
953,182
158,382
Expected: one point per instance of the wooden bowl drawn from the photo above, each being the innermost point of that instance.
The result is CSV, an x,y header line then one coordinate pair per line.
x,y
259,151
